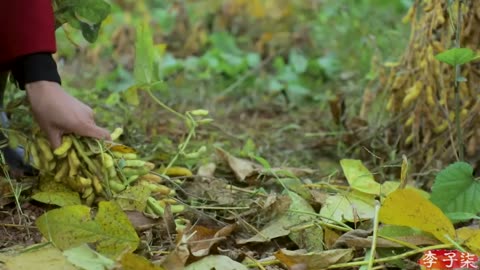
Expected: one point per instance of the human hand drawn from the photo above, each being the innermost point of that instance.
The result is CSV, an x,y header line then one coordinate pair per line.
x,y
58,113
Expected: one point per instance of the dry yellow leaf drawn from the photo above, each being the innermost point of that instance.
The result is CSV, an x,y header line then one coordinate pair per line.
x,y
407,207
471,236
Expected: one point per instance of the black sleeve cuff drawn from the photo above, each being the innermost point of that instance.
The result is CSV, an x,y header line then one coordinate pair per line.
x,y
35,67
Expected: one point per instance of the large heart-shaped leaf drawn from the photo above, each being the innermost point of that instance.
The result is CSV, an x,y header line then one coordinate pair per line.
x,y
456,190
72,226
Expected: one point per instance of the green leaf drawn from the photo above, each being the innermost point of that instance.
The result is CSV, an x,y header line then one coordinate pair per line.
x,y
297,89
461,217
456,190
359,177
131,95
262,161
133,198
72,226
86,15
58,198
350,207
86,258
275,85
456,56
296,185
112,99
144,54
91,11
224,42
249,148
90,31
253,60
298,61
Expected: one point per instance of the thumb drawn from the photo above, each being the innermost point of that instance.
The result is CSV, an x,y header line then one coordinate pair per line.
x,y
55,138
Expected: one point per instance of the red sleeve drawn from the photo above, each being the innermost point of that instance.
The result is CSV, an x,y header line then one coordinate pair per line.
x,y
26,27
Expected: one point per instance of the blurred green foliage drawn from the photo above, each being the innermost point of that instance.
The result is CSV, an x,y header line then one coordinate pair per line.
x,y
303,48
219,54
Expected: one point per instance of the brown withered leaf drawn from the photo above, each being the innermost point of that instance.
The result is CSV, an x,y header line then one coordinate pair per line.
x,y
299,259
242,168
214,190
204,238
177,258
139,221
331,237
360,239
207,170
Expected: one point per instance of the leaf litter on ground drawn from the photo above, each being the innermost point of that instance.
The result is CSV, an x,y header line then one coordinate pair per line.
x,y
249,214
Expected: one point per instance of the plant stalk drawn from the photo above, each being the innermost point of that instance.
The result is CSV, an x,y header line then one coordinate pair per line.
x,y
457,86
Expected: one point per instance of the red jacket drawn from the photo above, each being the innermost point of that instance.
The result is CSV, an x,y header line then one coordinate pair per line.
x,y
26,26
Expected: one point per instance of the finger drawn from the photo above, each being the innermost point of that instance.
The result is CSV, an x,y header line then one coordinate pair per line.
x,y
55,138
94,131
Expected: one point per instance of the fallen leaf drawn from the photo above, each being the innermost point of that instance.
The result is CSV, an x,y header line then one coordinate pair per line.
x,y
353,207
244,169
58,197
314,260
296,185
177,258
71,226
241,168
407,234
214,189
471,236
273,206
139,221
406,207
216,262
48,184
359,177
297,214
131,261
361,239
204,238
44,258
86,258
207,170
320,196
133,198
330,237
389,187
